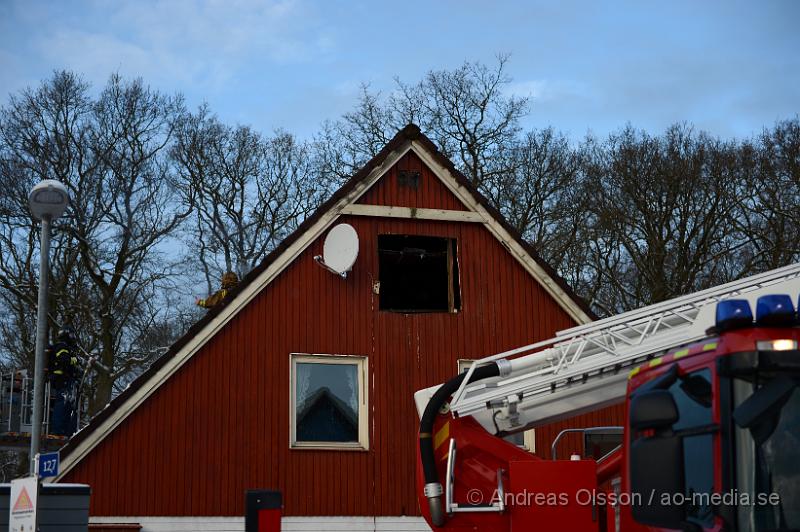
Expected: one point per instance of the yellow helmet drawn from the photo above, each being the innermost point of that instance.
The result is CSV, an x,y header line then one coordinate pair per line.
x,y
229,280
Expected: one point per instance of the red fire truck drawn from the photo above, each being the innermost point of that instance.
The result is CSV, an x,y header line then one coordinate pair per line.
x,y
711,386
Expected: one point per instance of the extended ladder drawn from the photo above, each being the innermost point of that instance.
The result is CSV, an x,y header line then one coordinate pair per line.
x,y
586,367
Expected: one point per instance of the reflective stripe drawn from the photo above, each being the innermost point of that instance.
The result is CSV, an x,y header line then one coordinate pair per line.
x,y
655,362
442,435
635,372
681,353
710,346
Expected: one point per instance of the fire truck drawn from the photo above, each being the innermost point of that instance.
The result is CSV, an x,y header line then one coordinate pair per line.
x,y
711,440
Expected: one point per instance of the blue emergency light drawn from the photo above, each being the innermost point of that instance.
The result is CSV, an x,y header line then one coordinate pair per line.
x,y
775,311
733,314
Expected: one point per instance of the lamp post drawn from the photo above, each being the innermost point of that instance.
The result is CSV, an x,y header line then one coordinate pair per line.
x,y
47,202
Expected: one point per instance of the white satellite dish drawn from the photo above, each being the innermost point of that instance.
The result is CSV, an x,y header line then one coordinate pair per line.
x,y
340,250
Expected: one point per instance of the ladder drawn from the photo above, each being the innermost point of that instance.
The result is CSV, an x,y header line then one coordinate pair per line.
x,y
586,367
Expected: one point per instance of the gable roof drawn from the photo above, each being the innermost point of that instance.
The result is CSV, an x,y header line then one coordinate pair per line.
x,y
408,139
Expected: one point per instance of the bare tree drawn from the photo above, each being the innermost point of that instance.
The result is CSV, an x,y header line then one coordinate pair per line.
x,y
661,210
342,147
465,111
40,135
771,203
250,192
540,193
111,260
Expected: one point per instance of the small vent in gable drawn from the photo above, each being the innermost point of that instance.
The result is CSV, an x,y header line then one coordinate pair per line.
x,y
408,178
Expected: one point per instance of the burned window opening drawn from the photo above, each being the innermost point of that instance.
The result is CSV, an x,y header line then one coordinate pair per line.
x,y
418,274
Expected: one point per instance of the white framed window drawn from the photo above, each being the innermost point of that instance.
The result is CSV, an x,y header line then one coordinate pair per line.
x,y
524,440
328,402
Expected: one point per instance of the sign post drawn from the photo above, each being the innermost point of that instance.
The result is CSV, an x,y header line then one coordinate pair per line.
x,y
22,507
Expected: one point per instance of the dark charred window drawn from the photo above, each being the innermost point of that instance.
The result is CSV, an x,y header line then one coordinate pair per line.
x,y
418,274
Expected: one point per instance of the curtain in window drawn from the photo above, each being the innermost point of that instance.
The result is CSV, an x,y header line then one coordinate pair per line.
x,y
326,402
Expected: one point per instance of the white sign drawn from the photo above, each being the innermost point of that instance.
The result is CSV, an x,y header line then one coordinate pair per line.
x,y
22,517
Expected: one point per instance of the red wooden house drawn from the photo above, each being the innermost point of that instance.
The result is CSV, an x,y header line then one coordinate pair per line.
x,y
303,381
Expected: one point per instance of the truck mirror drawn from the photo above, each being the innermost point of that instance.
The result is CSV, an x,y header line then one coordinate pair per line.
x,y
654,409
656,472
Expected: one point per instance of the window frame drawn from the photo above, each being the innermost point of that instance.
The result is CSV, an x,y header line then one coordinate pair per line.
x,y
362,364
529,436
455,300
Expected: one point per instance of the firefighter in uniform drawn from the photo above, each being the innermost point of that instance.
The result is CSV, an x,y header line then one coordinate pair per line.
x,y
63,371
229,281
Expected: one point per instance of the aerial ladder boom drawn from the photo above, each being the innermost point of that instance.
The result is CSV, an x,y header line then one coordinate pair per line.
x,y
586,367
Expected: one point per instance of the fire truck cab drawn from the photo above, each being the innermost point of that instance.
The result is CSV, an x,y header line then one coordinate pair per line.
x,y
712,433
713,429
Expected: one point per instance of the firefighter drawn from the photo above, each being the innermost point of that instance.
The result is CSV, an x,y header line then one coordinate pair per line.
x,y
229,281
63,372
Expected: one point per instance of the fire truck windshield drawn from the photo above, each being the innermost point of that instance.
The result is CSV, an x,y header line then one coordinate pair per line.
x,y
768,454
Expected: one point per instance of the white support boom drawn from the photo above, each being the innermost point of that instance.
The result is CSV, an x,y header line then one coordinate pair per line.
x,y
586,367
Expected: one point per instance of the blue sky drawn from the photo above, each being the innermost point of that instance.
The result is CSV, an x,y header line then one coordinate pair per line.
x,y
728,67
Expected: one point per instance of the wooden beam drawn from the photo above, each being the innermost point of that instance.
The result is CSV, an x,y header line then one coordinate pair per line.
x,y
411,213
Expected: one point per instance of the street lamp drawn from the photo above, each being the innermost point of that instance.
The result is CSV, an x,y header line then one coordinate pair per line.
x,y
47,201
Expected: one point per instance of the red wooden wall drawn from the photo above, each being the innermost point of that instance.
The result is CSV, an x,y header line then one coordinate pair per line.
x,y
220,425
